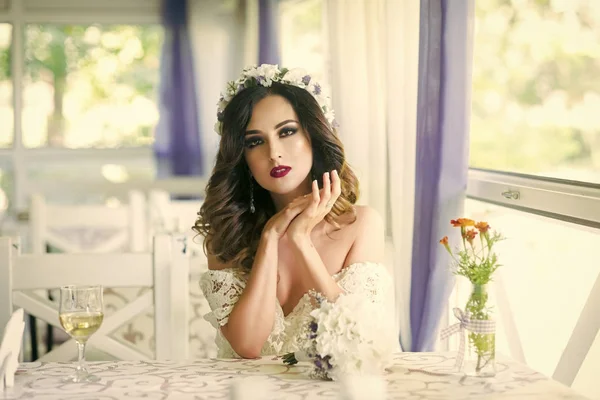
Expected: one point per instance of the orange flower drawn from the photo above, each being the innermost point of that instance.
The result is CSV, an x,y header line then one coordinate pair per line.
x,y
462,222
444,241
482,226
470,235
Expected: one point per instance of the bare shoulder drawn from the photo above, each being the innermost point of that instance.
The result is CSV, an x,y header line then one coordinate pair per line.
x,y
361,215
369,237
367,216
354,223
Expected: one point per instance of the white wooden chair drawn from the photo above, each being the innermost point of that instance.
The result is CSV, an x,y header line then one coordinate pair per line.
x,y
166,215
165,270
88,228
85,228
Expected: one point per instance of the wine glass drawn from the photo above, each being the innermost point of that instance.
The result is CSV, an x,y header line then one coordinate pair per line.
x,y
81,314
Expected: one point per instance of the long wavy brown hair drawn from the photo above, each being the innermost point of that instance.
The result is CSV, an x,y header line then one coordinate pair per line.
x,y
232,233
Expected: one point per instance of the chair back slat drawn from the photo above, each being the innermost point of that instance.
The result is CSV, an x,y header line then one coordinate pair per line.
x,y
171,272
49,271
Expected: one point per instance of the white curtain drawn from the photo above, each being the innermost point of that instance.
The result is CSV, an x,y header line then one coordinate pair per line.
x,y
217,31
373,46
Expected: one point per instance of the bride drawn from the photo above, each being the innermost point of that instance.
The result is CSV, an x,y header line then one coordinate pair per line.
x,y
279,217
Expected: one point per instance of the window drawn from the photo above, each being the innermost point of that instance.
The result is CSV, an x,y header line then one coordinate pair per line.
x,y
90,85
536,92
79,86
535,168
535,128
6,87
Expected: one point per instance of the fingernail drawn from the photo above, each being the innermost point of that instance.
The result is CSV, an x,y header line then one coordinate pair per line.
x,y
335,171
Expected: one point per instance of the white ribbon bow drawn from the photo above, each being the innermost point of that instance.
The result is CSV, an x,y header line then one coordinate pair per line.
x,y
479,326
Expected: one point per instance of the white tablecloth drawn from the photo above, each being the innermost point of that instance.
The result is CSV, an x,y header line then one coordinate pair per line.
x,y
210,379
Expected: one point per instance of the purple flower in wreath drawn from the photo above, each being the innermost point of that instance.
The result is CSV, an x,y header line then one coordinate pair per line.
x,y
306,79
317,89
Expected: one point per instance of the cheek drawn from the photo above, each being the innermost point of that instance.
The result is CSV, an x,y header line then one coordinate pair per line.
x,y
251,161
255,160
301,148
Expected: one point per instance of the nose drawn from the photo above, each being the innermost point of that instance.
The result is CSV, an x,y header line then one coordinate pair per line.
x,y
274,151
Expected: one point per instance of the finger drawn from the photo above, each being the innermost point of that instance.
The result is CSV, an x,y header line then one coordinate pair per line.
x,y
305,198
315,195
299,200
336,183
293,210
326,197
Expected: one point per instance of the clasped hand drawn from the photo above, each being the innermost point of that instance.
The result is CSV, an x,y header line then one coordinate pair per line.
x,y
299,217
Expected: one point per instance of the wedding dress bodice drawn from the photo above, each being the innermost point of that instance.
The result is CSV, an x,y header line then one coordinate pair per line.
x,y
222,289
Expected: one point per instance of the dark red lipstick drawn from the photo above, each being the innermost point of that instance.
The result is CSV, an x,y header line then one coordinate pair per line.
x,y
280,171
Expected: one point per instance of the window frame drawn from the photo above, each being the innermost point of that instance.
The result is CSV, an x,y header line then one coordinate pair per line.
x,y
570,201
18,13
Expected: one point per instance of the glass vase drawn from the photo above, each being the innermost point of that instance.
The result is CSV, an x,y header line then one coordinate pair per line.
x,y
480,357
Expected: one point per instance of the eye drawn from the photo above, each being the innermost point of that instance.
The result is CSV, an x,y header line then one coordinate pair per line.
x,y
252,142
287,132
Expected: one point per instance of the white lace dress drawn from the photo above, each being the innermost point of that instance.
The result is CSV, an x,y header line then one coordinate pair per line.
x,y
222,289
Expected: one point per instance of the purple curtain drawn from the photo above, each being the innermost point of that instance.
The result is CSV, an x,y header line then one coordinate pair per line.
x,y
443,106
177,138
268,37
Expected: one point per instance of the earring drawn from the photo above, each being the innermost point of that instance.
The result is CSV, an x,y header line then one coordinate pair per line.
x,y
252,208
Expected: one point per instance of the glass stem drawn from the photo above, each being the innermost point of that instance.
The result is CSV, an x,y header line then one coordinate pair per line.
x,y
81,367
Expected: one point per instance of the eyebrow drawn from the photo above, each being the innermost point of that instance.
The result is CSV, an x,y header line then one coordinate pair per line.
x,y
279,125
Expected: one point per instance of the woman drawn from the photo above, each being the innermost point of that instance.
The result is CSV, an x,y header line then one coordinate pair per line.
x,y
279,216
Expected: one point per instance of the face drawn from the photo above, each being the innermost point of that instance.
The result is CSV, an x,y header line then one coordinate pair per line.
x,y
278,151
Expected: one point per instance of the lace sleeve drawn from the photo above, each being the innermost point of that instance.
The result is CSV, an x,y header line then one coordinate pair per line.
x,y
222,289
371,279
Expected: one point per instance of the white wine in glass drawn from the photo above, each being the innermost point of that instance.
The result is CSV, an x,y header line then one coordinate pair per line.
x,y
81,314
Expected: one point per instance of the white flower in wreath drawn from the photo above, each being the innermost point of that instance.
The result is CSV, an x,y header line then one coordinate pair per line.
x,y
269,73
297,77
265,74
223,101
330,115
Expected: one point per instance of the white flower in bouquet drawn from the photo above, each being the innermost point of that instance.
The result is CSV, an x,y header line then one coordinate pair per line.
x,y
350,336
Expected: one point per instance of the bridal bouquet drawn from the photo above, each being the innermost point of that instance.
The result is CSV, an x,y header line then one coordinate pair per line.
x,y
350,336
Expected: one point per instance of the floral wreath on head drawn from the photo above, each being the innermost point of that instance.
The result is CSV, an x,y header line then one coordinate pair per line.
x,y
265,75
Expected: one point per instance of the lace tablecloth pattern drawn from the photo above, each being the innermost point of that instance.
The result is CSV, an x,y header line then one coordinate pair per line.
x,y
413,376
